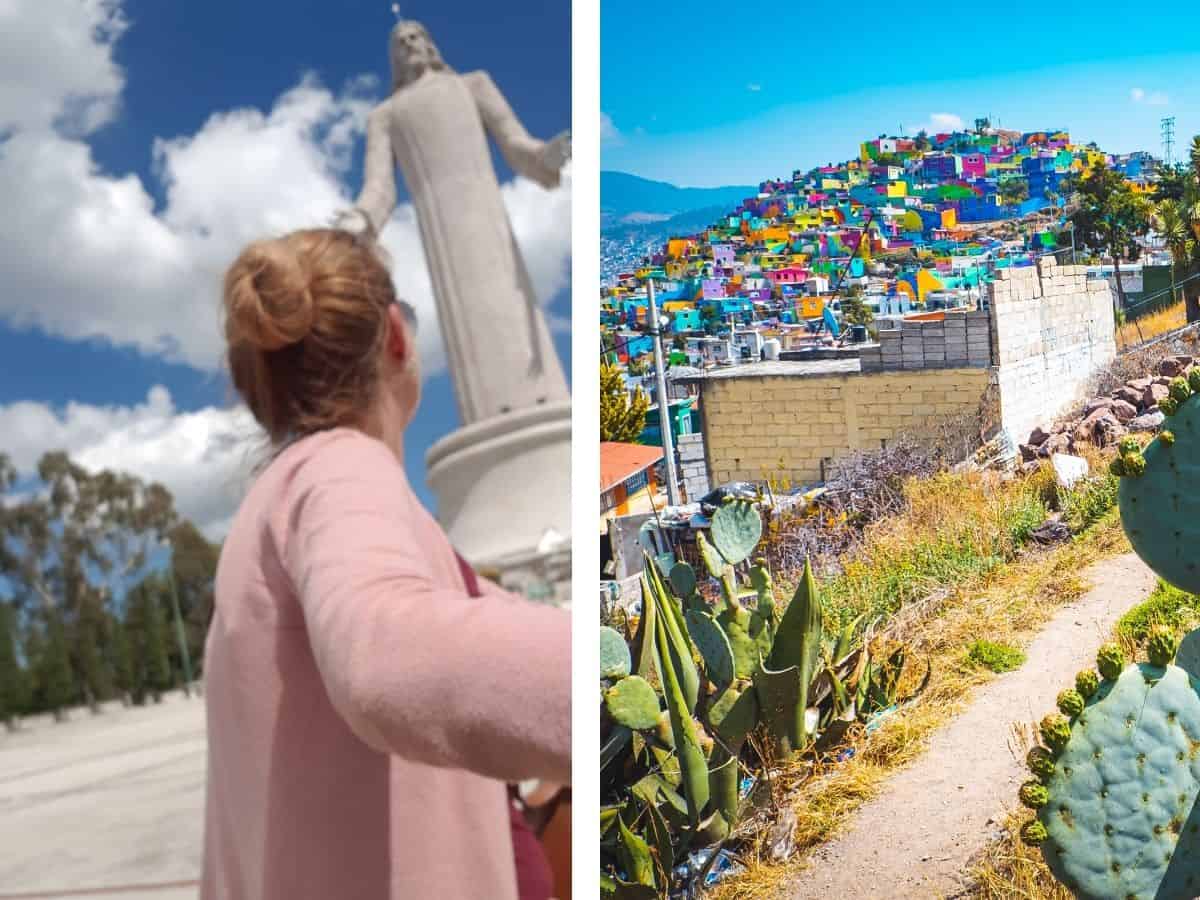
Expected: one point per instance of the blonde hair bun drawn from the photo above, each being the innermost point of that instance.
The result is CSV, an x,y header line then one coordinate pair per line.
x,y
269,299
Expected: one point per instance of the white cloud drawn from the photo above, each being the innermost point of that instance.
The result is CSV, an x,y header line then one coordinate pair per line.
x,y
945,122
938,123
87,255
205,458
609,133
1150,98
754,88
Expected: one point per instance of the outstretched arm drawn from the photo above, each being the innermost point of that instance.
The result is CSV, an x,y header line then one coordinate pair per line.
x,y
414,665
378,197
525,154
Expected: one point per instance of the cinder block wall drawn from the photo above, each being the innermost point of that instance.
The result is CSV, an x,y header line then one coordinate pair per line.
x,y
777,425
1053,329
961,339
693,470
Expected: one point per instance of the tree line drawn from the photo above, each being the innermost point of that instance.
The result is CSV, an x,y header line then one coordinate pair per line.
x,y
105,590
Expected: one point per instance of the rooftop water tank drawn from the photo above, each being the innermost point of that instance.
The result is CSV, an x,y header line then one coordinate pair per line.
x,y
771,348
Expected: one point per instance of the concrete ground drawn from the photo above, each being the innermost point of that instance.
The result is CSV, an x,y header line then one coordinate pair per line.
x,y
104,806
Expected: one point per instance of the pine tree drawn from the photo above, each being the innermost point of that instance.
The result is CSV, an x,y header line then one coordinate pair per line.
x,y
622,418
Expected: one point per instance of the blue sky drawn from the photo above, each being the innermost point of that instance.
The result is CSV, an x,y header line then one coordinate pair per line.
x,y
144,143
742,92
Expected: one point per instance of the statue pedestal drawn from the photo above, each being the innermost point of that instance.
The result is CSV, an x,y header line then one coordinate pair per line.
x,y
504,492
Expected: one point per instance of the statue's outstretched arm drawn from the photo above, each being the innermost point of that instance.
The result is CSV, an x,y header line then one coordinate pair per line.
x,y
378,197
527,156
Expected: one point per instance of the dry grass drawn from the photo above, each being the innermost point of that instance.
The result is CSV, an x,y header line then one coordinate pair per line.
x,y
1167,319
1008,603
1015,871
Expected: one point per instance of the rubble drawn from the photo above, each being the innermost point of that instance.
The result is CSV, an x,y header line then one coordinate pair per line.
x,y
1103,421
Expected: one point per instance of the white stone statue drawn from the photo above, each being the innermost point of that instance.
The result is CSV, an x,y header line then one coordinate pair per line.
x,y
435,128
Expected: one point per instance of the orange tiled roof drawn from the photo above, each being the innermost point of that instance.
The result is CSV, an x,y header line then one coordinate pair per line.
x,y
621,461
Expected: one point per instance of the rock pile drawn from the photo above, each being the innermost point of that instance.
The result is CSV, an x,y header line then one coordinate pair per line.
x,y
1105,420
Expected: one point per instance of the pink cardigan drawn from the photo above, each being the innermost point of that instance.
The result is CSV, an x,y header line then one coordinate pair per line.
x,y
364,713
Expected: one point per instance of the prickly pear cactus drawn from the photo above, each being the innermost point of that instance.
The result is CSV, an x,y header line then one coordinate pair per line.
x,y
615,661
736,530
1159,495
1116,781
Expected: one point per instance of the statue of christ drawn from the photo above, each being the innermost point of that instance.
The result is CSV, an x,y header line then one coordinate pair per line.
x,y
434,127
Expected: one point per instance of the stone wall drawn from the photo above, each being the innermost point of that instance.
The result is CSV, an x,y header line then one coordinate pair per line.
x,y
1052,329
793,425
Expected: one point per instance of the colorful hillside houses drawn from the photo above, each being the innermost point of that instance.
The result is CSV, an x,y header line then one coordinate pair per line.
x,y
912,224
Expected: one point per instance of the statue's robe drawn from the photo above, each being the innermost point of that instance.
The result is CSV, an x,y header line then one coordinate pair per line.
x,y
435,130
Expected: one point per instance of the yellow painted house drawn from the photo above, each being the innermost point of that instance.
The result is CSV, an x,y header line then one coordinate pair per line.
x,y
897,189
677,248
811,307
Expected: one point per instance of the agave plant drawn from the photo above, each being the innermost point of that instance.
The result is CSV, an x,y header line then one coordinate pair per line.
x,y
680,699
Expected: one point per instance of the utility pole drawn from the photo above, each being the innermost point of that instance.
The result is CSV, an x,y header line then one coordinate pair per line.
x,y
664,402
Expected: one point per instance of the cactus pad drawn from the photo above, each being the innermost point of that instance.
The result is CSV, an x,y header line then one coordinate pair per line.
x,y
713,645
683,580
1118,823
614,654
1160,508
633,703
736,530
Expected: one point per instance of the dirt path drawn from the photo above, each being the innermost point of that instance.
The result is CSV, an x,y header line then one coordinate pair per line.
x,y
915,838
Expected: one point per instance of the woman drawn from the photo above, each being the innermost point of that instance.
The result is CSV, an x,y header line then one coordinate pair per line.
x,y
364,711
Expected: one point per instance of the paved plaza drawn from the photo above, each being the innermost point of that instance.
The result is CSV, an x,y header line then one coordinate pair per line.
x,y
104,806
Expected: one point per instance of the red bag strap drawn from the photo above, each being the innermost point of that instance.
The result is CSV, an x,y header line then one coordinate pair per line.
x,y
469,576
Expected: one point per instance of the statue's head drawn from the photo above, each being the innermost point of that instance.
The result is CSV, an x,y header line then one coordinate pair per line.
x,y
413,53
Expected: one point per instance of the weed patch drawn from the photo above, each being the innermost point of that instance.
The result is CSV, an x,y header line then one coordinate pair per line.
x,y
995,657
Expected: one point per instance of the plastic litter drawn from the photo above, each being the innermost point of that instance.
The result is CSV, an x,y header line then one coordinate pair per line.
x,y
878,718
726,864
781,838
746,785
